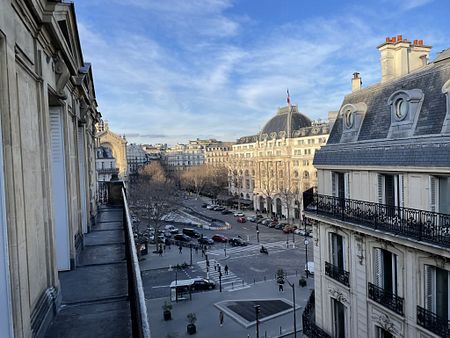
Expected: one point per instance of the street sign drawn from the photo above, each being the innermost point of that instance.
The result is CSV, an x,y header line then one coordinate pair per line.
x,y
306,242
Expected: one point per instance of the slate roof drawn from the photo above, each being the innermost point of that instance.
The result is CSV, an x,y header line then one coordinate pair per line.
x,y
280,123
368,150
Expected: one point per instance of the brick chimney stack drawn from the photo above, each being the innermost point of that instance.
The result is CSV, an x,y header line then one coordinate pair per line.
x,y
356,82
399,57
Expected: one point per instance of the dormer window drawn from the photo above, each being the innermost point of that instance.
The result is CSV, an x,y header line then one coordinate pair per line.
x,y
401,109
352,117
405,108
349,119
446,92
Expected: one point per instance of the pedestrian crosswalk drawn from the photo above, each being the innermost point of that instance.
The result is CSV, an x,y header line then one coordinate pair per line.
x,y
230,282
251,249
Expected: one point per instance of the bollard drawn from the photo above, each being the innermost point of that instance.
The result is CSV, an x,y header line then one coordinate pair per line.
x,y
254,281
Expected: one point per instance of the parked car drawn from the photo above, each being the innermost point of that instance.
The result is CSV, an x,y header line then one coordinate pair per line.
x,y
258,217
205,240
309,267
203,284
226,212
191,233
238,214
204,205
302,232
210,206
182,238
266,222
241,219
235,241
219,208
278,226
261,220
219,238
172,229
251,219
288,228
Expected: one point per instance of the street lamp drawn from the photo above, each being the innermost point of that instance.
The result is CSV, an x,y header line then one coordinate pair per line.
x,y
257,233
293,301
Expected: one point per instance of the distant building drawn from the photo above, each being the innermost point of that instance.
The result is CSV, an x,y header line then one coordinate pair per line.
x,y
184,156
272,169
382,213
105,164
137,157
216,154
117,145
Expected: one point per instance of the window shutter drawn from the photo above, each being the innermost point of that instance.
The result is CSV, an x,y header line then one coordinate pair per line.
x,y
380,189
347,185
428,288
401,193
333,184
378,267
433,193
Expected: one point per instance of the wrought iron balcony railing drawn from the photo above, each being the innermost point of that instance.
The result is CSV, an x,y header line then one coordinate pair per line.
x,y
337,273
426,226
310,329
386,298
108,171
432,322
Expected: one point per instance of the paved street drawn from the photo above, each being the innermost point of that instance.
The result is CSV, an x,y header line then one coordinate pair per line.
x,y
250,275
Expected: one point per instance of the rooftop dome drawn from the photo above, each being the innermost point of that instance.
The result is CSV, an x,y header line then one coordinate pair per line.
x,y
279,122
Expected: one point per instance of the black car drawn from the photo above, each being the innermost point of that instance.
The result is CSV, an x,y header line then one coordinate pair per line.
x,y
226,212
205,240
191,233
182,238
204,205
237,242
203,284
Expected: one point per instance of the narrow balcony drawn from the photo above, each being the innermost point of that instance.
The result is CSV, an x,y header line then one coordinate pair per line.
x,y
432,322
386,298
107,171
426,226
310,329
337,274
103,295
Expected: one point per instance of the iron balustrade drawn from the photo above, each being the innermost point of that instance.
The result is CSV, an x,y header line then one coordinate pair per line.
x,y
139,317
432,322
337,273
386,298
310,329
422,225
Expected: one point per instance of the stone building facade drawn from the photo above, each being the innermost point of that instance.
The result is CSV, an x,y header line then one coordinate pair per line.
x,y
216,154
118,145
274,167
382,213
137,157
48,113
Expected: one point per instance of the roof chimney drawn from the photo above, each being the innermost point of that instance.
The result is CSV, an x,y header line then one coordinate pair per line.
x,y
399,57
356,82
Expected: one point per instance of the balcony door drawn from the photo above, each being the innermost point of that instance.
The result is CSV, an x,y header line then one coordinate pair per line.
x,y
390,190
340,185
439,199
437,291
385,270
338,319
59,189
337,251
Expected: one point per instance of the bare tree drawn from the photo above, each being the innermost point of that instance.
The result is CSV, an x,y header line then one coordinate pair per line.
x,y
216,181
153,195
195,178
235,173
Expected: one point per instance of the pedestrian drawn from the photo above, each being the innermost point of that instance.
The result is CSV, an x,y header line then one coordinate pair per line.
x,y
226,269
160,251
180,248
221,318
203,252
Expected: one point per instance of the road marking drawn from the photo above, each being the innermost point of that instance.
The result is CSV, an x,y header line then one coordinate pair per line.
x,y
160,286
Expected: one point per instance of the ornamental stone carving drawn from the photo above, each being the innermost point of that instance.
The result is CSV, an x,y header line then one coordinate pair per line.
x,y
62,76
338,295
386,324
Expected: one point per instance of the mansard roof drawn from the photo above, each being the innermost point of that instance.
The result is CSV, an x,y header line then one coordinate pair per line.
x,y
376,142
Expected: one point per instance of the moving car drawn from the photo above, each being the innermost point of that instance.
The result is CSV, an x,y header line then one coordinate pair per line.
x,y
182,238
219,238
203,284
226,212
288,228
191,233
210,206
235,241
238,214
252,219
219,208
205,240
204,205
241,219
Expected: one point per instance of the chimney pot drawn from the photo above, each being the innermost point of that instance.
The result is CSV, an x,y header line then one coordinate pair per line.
x,y
415,42
421,42
387,39
394,39
399,38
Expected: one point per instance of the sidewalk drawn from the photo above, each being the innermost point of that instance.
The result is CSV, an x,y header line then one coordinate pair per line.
x,y
203,304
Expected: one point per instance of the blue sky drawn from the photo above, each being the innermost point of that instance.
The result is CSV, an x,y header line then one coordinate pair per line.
x,y
173,70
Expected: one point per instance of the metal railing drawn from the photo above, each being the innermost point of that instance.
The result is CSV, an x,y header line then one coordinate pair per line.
x,y
386,298
337,274
432,322
426,226
139,318
310,329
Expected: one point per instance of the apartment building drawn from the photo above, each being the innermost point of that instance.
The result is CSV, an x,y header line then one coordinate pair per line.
x,y
382,212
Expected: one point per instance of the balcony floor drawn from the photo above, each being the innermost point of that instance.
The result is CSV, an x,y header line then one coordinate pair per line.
x,y
94,295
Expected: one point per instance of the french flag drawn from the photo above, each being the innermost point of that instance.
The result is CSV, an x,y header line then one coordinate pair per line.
x,y
288,98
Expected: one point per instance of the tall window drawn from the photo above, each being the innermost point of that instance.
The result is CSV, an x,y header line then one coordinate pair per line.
x,y
385,270
382,333
439,194
338,319
340,185
337,250
437,291
390,190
